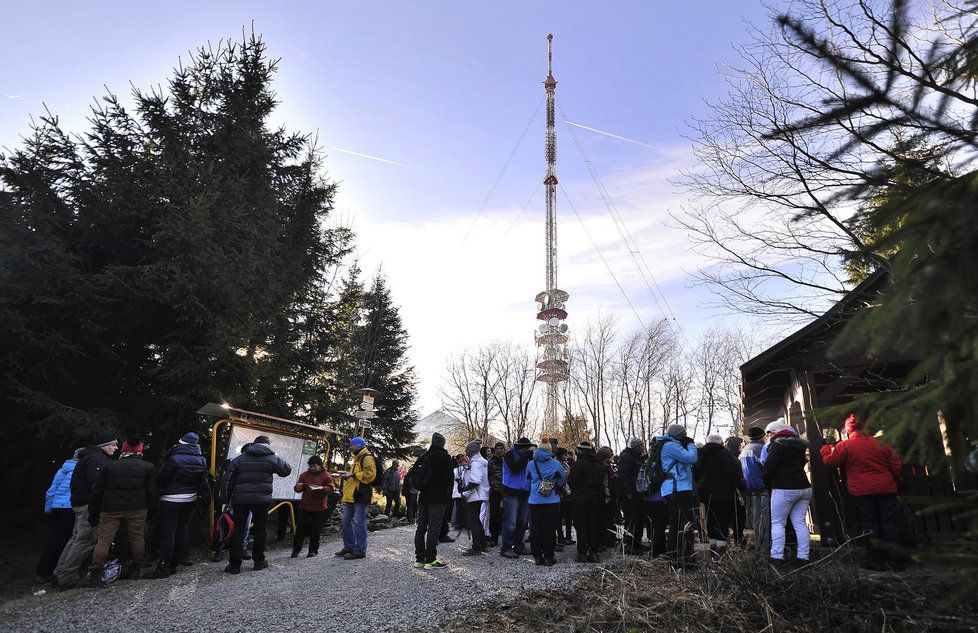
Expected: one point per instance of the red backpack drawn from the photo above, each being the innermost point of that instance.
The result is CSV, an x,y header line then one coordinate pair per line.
x,y
222,532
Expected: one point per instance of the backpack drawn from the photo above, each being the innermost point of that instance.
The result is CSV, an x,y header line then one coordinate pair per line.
x,y
652,472
642,480
378,482
222,532
419,473
460,484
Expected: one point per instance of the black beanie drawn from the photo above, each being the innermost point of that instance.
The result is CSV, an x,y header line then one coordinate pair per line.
x,y
262,439
437,439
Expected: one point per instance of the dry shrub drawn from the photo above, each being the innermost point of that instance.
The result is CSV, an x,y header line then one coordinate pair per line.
x,y
738,593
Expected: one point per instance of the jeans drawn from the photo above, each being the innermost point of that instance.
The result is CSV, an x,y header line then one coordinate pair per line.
x,y
544,521
108,527
62,526
355,527
393,499
516,510
426,535
495,514
173,526
586,509
682,522
657,515
879,516
308,522
83,539
259,513
760,514
473,511
793,504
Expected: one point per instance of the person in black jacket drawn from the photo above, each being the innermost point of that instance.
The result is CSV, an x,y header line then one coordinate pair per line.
x,y
432,475
587,483
83,537
630,462
246,484
791,492
125,491
180,479
718,477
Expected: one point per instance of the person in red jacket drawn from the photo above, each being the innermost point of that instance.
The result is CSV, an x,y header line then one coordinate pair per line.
x,y
873,472
315,485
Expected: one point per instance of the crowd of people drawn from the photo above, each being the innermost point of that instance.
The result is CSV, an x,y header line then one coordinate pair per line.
x,y
667,491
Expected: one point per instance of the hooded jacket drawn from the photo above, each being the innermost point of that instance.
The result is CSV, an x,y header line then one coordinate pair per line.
x,y
128,483
356,488
58,496
182,471
514,472
478,474
587,476
717,473
544,466
434,477
86,472
247,479
751,466
629,463
678,462
871,468
785,465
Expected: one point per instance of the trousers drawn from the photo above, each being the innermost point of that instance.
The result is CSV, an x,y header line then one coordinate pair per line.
x,y
108,527
791,504
428,530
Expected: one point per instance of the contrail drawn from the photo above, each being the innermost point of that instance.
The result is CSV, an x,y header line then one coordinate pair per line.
x,y
14,97
350,151
620,138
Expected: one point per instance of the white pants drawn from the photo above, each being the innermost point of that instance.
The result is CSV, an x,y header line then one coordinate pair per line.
x,y
793,503
484,518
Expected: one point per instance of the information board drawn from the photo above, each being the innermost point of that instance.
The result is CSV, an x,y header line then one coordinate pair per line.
x,y
294,450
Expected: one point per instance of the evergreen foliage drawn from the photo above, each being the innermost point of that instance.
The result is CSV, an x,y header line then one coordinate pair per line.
x,y
178,253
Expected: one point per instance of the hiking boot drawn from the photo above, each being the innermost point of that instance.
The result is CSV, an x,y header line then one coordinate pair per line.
x,y
435,564
446,539
778,563
493,542
312,554
94,577
186,562
232,569
342,552
354,555
509,554
558,548
549,562
569,541
472,551
538,560
246,556
295,554
261,564
135,570
163,571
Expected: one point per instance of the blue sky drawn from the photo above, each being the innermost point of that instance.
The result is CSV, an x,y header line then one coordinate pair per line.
x,y
443,89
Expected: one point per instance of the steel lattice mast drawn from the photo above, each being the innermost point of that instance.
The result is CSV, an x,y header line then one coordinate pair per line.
x,y
552,336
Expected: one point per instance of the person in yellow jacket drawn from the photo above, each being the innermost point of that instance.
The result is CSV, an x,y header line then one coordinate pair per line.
x,y
357,494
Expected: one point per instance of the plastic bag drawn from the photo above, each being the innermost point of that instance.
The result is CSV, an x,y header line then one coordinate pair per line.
x,y
112,571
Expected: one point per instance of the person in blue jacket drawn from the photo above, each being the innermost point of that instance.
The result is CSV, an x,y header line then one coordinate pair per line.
x,y
57,503
180,479
678,457
516,491
544,504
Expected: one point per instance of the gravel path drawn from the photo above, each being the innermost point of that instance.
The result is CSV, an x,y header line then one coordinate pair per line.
x,y
324,594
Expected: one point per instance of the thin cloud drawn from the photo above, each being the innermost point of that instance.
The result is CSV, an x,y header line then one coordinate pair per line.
x,y
609,134
13,97
361,155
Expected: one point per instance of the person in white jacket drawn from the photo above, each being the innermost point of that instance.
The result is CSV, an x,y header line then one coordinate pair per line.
x,y
475,486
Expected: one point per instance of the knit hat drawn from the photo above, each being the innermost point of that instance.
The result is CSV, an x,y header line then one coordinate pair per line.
x,y
545,444
262,439
473,447
713,438
755,432
437,439
676,430
634,442
105,440
359,442
585,447
315,459
133,445
523,443
777,425
605,452
78,452
190,438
